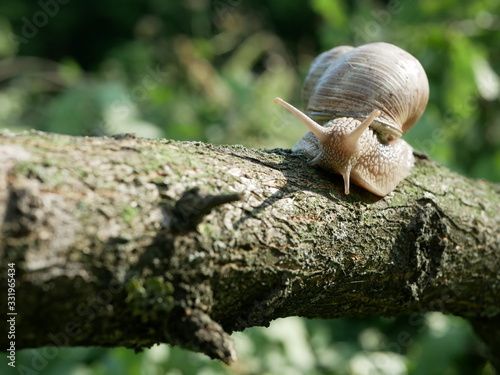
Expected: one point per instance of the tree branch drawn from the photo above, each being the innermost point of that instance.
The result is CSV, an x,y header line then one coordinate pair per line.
x,y
130,242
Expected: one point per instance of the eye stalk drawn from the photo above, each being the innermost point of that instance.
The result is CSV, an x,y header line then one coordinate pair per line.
x,y
349,143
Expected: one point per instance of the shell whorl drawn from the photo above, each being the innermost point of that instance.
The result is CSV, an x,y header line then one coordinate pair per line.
x,y
352,82
318,67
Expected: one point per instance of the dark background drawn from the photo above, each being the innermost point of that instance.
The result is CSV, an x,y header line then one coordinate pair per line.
x,y
209,70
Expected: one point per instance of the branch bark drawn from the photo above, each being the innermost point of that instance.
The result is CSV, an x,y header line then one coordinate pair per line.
x,y
130,242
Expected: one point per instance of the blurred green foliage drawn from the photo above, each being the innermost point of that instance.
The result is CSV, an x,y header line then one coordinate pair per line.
x,y
208,70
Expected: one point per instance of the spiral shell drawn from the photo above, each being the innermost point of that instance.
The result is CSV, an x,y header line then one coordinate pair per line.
x,y
352,82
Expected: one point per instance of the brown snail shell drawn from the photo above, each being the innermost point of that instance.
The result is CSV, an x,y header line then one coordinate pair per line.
x,y
373,76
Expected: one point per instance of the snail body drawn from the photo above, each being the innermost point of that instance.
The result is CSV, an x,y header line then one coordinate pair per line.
x,y
359,102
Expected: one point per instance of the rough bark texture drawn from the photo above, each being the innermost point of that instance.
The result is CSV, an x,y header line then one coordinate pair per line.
x,y
130,242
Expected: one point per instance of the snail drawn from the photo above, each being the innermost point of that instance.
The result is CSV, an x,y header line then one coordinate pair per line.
x,y
360,101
